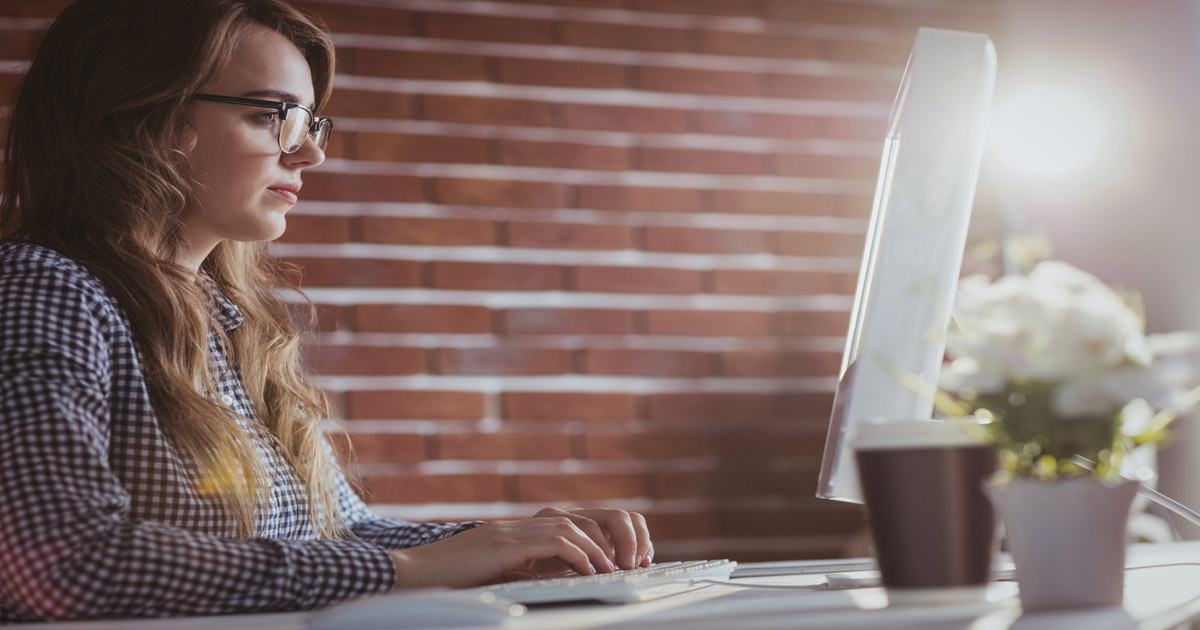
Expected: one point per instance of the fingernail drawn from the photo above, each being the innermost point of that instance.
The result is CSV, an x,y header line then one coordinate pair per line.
x,y
611,566
631,561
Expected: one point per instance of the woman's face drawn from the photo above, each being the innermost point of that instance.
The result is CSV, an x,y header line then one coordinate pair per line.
x,y
247,183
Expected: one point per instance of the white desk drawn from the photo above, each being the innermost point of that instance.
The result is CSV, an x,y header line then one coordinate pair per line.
x,y
1156,597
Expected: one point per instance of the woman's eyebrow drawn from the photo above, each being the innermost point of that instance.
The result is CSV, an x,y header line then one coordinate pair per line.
x,y
275,95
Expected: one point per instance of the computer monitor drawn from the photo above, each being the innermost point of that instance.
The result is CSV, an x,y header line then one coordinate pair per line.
x,y
914,246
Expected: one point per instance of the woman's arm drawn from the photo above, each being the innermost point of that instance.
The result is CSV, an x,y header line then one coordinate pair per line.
x,y
69,546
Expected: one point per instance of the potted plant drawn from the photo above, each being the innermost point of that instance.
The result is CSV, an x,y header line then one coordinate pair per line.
x,y
1057,367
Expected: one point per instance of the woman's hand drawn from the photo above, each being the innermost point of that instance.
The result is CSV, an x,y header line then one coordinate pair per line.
x,y
552,542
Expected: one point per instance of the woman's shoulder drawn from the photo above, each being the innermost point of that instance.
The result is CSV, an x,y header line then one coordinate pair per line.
x,y
29,268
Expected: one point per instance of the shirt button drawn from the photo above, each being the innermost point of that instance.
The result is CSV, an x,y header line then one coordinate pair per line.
x,y
227,399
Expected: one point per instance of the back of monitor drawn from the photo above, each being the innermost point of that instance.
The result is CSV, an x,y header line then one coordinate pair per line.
x,y
914,244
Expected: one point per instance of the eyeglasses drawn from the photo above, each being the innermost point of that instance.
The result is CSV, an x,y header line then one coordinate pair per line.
x,y
299,122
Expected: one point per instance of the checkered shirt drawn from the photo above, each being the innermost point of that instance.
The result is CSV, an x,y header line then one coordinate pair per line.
x,y
99,514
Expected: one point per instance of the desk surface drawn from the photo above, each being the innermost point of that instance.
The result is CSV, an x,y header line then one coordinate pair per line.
x,y
1162,590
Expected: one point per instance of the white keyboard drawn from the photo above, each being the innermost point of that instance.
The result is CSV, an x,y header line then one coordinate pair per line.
x,y
620,587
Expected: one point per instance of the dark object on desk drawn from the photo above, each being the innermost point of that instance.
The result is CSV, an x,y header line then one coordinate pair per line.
x,y
931,521
419,609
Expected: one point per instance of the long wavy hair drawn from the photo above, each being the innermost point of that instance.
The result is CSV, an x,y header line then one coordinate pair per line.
x,y
96,168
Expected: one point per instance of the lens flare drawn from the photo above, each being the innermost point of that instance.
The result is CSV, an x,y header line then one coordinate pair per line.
x,y
1049,129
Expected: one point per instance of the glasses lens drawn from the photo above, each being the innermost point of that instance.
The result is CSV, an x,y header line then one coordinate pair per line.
x,y
294,130
324,130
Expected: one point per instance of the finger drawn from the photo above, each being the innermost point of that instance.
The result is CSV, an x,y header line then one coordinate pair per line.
x,y
570,530
570,552
642,532
594,530
620,528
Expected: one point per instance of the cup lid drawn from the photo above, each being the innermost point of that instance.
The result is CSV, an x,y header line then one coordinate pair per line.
x,y
886,434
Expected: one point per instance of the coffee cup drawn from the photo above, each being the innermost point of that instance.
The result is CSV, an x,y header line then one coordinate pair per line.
x,y
932,525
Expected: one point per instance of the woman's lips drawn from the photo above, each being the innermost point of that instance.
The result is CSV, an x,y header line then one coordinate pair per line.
x,y
285,194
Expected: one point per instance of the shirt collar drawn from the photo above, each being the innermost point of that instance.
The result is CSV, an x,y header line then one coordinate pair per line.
x,y
227,314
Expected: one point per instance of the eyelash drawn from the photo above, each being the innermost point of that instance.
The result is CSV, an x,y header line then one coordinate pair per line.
x,y
268,117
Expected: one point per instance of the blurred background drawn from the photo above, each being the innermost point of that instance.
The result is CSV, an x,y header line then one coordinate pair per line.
x,y
602,252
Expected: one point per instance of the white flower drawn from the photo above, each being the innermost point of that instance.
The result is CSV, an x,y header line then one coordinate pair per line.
x,y
1062,325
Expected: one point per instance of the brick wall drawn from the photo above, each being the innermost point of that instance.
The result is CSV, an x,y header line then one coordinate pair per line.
x,y
595,251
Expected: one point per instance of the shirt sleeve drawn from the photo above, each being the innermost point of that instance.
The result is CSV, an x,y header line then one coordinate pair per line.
x,y
391,533
69,546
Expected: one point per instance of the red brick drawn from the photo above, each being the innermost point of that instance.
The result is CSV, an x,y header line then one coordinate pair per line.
x,y
637,280
697,7
557,72
774,202
682,484
359,272
364,360
414,64
10,84
308,228
645,445
829,323
488,28
593,4
500,192
16,44
504,446
857,129
367,104
491,276
341,145
579,487
325,186
489,361
790,522
480,110
343,18
819,244
579,321
702,161
659,238
427,318
372,448
811,405
886,54
427,231
860,13
772,282
569,235
708,322
392,147
714,407
808,165
624,36
328,317
626,118
680,525
831,88
761,124
768,442
567,406
738,43
414,404
593,157
693,81
645,362
419,489
641,199
768,363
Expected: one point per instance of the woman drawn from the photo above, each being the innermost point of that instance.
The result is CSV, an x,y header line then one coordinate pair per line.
x,y
160,452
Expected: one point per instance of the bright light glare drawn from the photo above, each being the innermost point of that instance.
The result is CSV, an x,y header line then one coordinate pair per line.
x,y
1048,129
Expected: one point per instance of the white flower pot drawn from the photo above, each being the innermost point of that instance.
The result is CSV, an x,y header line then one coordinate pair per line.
x,y
1067,539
